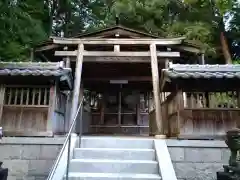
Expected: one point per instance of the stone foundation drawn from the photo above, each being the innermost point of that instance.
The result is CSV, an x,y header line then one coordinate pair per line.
x,y
29,158
197,159
32,158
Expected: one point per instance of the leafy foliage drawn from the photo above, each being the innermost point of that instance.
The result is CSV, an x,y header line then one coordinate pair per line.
x,y
24,23
234,31
20,28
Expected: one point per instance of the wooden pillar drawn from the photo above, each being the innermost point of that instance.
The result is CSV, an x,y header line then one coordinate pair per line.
x,y
81,93
238,98
238,106
80,125
116,48
68,64
180,107
2,96
120,106
51,121
67,111
77,81
202,58
156,89
167,60
185,99
102,110
66,59
32,54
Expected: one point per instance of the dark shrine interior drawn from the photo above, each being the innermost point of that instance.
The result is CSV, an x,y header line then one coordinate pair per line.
x,y
120,95
98,75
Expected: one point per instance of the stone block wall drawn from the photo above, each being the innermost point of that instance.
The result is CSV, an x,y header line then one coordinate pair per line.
x,y
29,158
32,158
197,160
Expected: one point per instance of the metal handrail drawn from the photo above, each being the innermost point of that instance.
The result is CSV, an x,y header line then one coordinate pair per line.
x,y
67,141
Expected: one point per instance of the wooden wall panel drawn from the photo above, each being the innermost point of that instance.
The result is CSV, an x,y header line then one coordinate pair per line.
x,y
25,110
24,119
207,122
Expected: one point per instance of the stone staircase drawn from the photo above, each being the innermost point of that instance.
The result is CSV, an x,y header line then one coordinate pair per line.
x,y
112,158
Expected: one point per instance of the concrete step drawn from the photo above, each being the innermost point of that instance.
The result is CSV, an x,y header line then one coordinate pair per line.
x,y
112,176
113,166
116,142
114,153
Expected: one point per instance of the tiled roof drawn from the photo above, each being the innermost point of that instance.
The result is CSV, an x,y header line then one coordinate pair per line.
x,y
33,69
34,72
176,71
48,69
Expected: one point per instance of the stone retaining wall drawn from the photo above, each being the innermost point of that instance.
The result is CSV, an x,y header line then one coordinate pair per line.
x,y
29,158
197,160
32,158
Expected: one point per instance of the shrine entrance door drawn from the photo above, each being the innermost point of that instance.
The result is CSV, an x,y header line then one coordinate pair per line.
x,y
120,109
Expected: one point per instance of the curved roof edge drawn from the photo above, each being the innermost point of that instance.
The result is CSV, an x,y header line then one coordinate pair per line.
x,y
109,29
43,69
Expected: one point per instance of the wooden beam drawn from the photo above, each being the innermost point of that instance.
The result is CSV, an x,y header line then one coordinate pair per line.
x,y
156,90
165,41
19,133
115,59
47,47
77,81
189,49
44,57
121,32
119,54
129,78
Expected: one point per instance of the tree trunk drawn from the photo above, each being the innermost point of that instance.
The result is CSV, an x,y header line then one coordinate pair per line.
x,y
224,43
52,9
223,39
225,49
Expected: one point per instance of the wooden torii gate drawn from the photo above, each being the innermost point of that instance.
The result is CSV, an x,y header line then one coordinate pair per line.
x,y
153,54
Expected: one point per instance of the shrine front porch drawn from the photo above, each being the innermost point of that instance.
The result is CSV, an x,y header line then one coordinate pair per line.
x,y
117,107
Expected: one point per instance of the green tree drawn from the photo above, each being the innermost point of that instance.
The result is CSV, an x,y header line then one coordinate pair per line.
x,y
215,12
24,23
234,32
203,21
21,27
69,17
165,18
